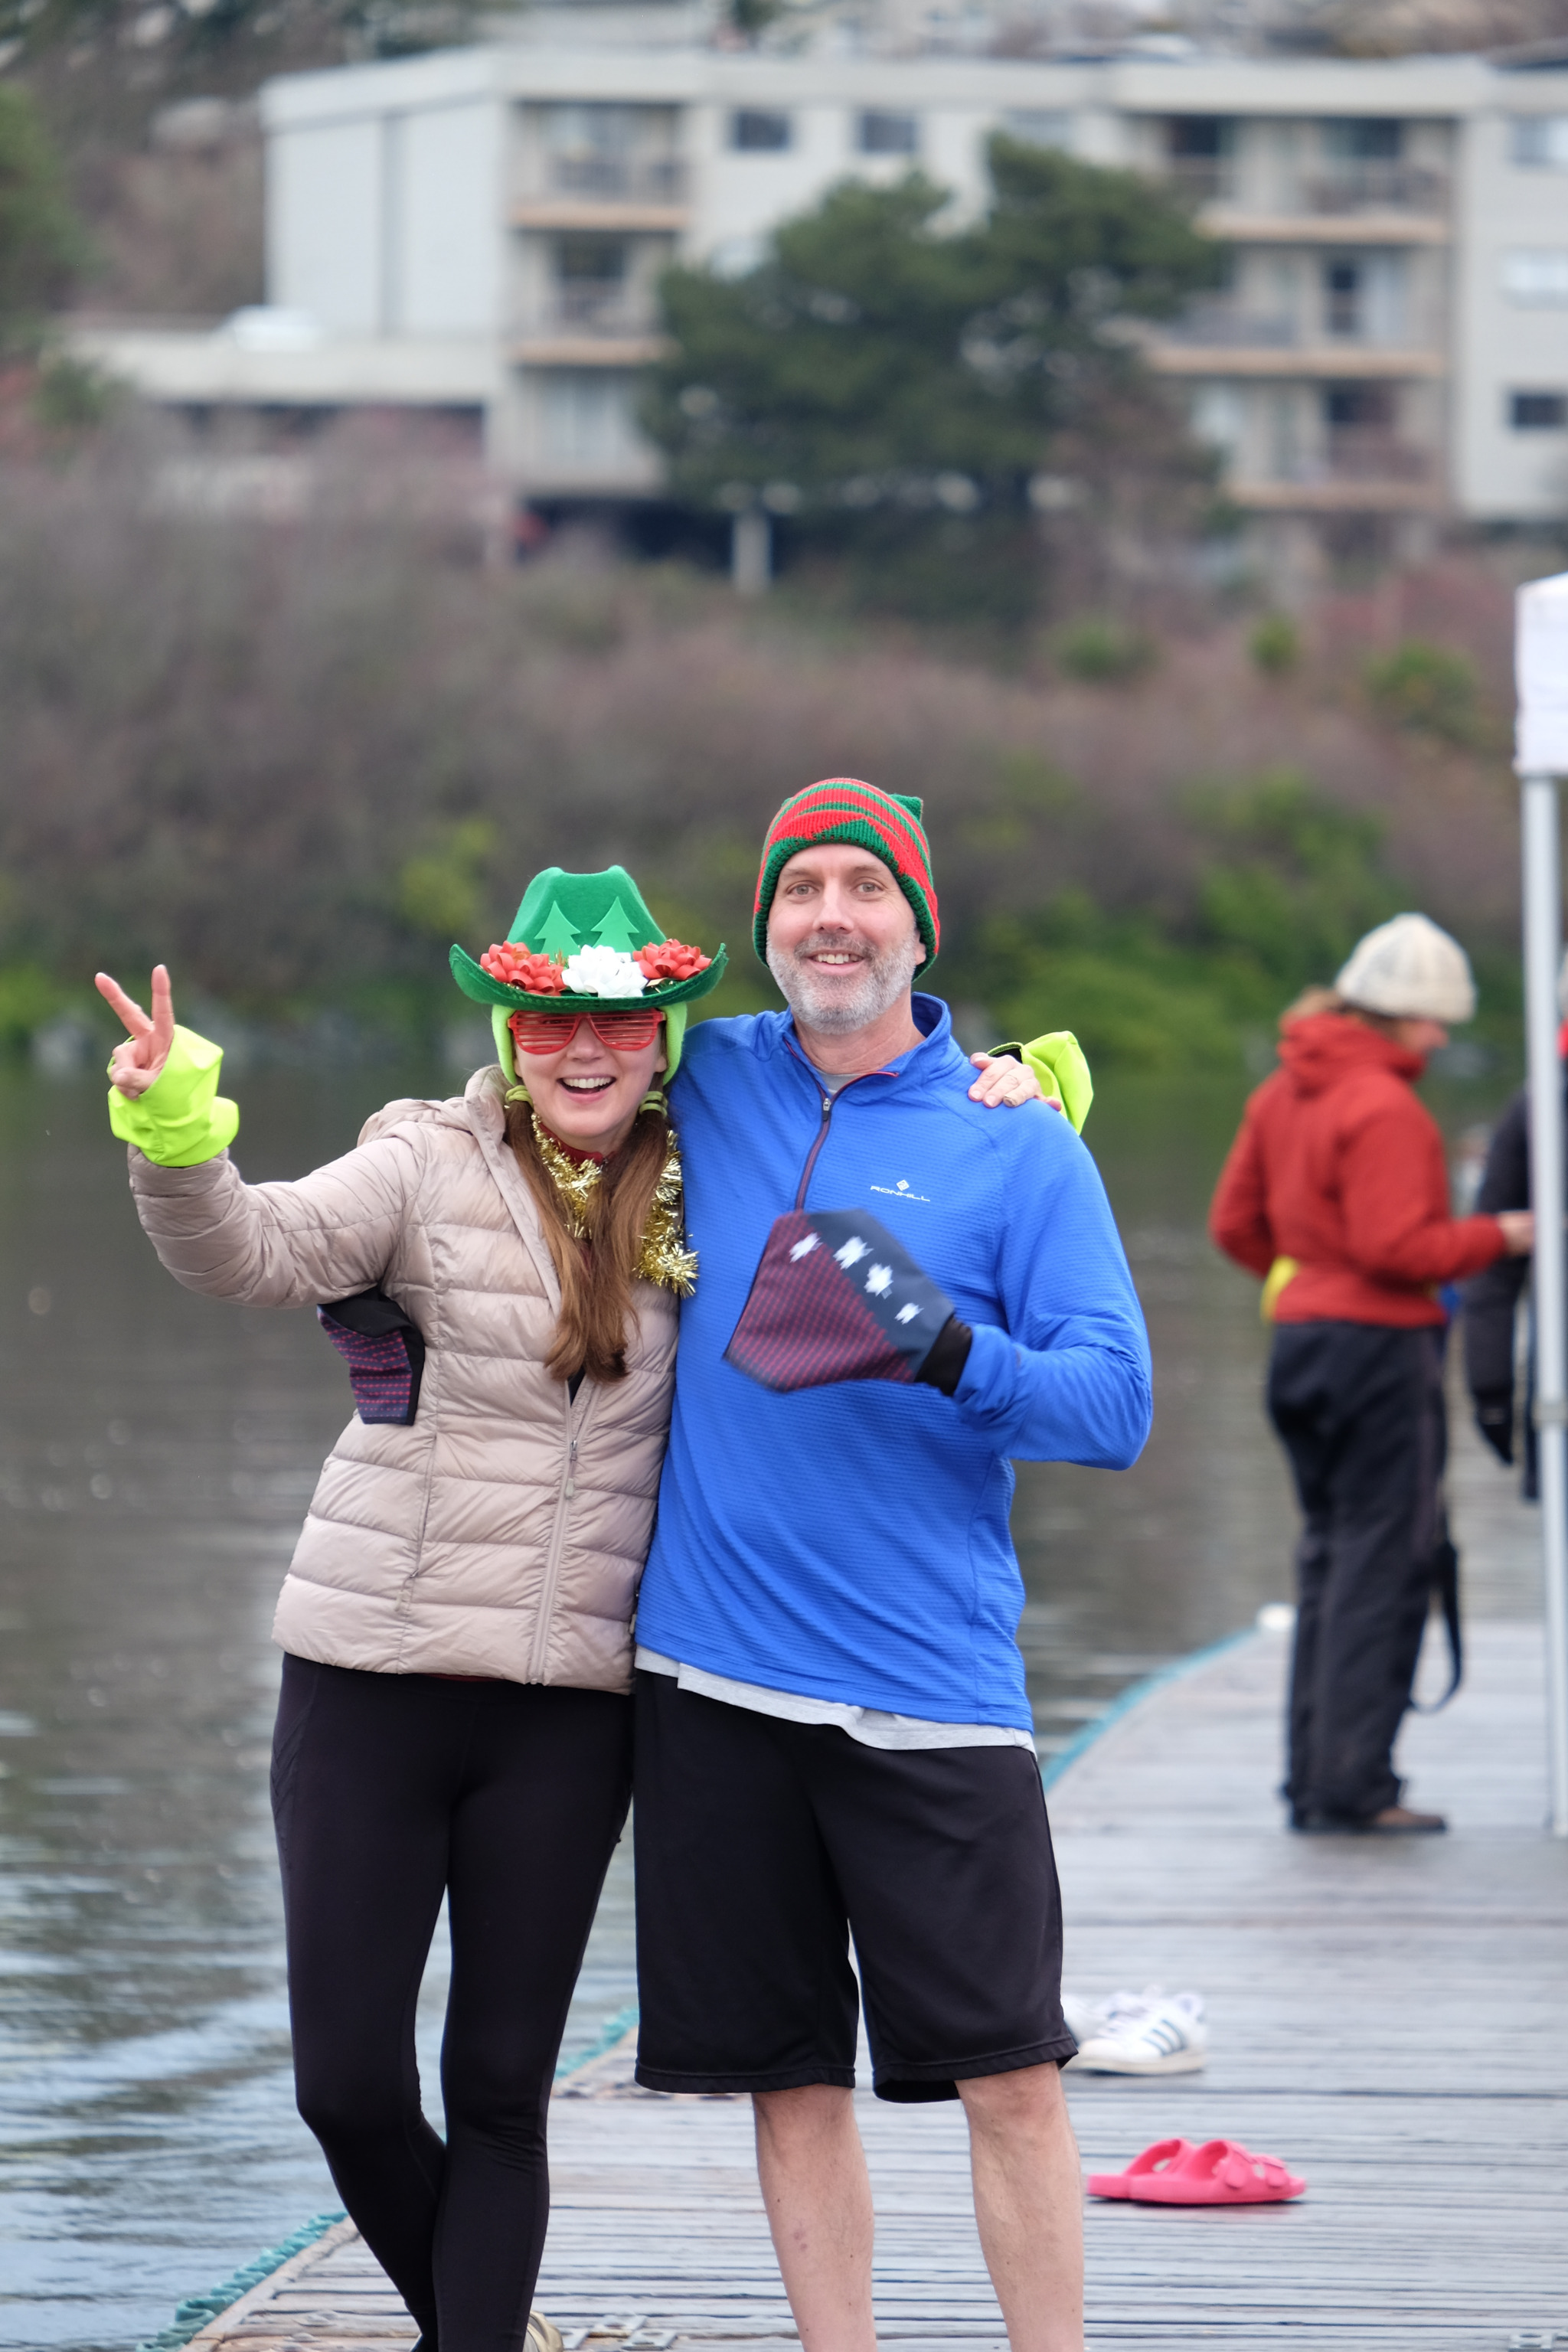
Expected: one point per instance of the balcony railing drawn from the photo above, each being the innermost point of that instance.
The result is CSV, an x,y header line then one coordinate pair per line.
x,y
1207,179
1218,326
1367,453
618,179
1376,187
606,311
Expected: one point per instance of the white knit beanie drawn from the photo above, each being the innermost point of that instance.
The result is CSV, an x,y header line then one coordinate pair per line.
x,y
1408,969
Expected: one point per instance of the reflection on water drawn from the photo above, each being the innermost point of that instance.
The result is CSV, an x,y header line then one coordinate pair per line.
x,y
156,1453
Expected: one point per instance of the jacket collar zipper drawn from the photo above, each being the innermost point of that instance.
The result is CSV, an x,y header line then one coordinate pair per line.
x,y
827,1101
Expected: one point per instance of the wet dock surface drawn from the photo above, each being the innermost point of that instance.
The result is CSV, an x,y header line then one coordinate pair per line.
x,y
1387,2017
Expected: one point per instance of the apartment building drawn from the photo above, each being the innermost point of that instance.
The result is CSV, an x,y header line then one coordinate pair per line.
x,y
483,230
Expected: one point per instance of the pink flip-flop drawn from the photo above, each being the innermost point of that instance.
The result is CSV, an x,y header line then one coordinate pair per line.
x,y
1155,2162
1221,2172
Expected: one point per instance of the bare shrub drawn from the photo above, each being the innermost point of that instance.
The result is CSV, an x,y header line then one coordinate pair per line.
x,y
269,752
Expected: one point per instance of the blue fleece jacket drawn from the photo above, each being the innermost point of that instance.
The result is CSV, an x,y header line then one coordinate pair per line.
x,y
851,1542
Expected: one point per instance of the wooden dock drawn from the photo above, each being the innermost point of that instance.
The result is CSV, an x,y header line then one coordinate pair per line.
x,y
1389,2018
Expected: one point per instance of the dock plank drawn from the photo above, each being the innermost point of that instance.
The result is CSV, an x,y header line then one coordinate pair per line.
x,y
1387,2017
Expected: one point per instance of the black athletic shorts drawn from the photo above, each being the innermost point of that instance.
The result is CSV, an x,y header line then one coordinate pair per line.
x,y
762,1846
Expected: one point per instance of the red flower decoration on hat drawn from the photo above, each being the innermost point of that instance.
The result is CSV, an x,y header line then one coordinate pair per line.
x,y
520,967
671,960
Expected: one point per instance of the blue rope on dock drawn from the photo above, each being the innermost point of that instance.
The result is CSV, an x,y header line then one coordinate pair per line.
x,y
198,2310
607,2036
1134,1696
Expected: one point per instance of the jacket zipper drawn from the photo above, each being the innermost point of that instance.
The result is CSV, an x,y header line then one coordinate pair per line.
x,y
821,1137
540,1658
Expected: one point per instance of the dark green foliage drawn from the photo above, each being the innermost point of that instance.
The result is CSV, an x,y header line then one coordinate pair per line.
x,y
1100,651
1427,688
1296,881
42,246
894,382
1274,645
1290,882
71,398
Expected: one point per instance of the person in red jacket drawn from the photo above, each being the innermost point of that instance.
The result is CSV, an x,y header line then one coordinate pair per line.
x,y
1336,1192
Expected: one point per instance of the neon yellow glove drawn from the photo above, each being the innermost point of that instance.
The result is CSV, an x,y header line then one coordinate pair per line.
x,y
181,1119
1283,1270
1057,1060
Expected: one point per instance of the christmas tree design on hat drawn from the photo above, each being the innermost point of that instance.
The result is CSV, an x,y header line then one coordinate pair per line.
x,y
586,941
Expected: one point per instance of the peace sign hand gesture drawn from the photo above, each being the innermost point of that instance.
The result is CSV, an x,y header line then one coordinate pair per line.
x,y
140,1060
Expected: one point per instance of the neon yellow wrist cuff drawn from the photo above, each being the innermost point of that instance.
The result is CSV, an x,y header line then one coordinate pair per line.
x,y
1058,1061
181,1119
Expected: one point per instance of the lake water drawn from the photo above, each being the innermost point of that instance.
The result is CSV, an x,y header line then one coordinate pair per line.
x,y
156,1454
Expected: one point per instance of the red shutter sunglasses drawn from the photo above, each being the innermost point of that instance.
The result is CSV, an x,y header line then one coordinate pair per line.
x,y
552,1033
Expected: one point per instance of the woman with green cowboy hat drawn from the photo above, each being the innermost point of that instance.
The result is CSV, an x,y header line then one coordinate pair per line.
x,y
502,1272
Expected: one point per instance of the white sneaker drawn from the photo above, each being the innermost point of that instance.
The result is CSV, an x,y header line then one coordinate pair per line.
x,y
1149,2033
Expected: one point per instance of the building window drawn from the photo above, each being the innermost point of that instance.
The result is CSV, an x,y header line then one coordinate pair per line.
x,y
1359,407
1199,149
754,133
1218,415
1537,275
1538,412
1364,138
1363,296
888,134
1204,137
1540,141
1033,126
588,418
614,151
1341,297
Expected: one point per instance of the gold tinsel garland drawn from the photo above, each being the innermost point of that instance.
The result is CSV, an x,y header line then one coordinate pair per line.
x,y
664,1257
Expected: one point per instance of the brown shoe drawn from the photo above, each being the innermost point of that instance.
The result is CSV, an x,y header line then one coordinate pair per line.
x,y
1401,1821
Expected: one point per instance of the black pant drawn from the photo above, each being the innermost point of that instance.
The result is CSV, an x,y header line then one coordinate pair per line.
x,y
762,1845
1359,1408
389,1790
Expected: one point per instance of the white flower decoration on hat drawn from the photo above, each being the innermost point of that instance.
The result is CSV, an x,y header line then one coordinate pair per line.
x,y
602,972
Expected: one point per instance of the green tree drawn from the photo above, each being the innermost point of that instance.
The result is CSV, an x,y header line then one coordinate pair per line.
x,y
887,375
41,243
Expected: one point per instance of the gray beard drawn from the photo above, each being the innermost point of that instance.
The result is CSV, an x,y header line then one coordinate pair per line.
x,y
884,977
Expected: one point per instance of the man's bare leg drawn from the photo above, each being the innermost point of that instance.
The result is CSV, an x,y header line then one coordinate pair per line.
x,y
1029,2202
818,2196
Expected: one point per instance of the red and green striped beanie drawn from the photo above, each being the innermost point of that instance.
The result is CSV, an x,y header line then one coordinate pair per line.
x,y
843,809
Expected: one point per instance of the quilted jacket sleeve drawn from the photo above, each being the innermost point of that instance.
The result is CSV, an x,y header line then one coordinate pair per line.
x,y
324,1237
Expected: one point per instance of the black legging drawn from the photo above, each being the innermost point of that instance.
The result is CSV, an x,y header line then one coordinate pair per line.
x,y
388,1792
1359,1408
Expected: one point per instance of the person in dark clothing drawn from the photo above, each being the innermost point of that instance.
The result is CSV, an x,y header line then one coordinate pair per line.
x,y
1336,1192
1491,1300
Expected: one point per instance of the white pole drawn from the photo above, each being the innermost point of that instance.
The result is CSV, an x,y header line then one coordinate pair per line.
x,y
1543,950
751,551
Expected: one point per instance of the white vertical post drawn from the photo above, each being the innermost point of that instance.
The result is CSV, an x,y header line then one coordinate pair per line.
x,y
751,551
1541,755
1542,950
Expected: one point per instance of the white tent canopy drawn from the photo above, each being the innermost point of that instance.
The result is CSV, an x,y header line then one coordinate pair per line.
x,y
1541,644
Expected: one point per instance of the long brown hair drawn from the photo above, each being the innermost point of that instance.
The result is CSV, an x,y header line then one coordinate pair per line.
x,y
597,1272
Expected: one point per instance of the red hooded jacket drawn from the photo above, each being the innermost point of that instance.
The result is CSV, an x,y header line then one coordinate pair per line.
x,y
1340,1168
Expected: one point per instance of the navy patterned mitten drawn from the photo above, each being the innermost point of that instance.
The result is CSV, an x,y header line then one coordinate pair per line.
x,y
385,1351
835,1298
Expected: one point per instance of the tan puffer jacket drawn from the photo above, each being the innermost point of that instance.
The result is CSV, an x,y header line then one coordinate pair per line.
x,y
504,1531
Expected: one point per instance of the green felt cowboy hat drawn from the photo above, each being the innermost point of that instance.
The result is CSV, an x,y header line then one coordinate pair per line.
x,y
586,942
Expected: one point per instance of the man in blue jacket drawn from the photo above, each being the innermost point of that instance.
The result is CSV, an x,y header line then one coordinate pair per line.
x,y
833,1733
